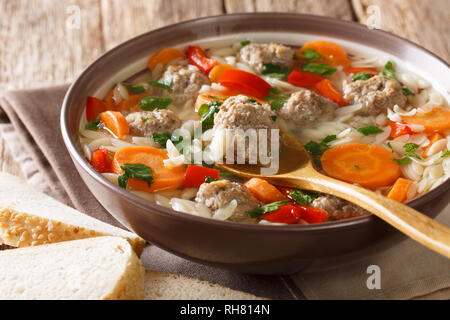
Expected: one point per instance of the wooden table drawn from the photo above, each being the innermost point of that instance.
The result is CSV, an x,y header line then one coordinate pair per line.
x,y
42,43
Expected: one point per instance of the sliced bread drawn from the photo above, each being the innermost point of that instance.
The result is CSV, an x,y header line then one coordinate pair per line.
x,y
87,269
29,218
163,286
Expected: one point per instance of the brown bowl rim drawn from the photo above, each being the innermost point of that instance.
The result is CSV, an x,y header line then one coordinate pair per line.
x,y
160,210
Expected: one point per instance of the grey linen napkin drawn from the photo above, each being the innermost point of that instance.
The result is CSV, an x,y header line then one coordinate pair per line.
x,y
407,270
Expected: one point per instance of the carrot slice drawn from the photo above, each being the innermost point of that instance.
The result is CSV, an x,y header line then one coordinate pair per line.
x,y
164,178
400,190
164,56
328,90
332,53
130,103
116,123
217,72
370,166
371,71
264,191
433,138
438,119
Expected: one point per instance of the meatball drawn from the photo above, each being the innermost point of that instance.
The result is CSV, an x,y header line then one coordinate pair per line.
x,y
185,80
338,208
218,194
243,113
305,107
258,54
376,95
146,123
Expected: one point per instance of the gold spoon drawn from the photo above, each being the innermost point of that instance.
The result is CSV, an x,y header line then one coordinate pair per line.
x,y
296,170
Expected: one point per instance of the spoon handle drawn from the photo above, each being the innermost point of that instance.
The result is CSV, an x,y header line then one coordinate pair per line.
x,y
414,224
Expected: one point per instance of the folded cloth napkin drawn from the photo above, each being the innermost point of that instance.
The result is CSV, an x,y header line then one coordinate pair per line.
x,y
405,271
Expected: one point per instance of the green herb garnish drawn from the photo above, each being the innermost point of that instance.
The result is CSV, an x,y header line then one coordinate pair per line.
x,y
389,71
135,90
153,103
303,197
407,91
161,138
357,167
319,68
216,97
445,154
207,112
163,85
403,161
137,171
253,101
390,147
258,212
316,149
278,104
275,71
362,76
245,43
273,118
410,148
209,179
274,90
94,125
225,174
310,55
369,130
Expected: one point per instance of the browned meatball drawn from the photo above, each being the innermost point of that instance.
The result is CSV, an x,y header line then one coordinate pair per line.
x,y
218,194
376,95
146,123
185,80
243,113
258,54
305,107
338,208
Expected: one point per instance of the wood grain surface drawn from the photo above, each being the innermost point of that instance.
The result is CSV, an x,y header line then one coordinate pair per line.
x,y
39,45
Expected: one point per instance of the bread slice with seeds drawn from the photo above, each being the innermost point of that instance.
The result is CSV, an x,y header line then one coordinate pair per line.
x,y
101,268
30,218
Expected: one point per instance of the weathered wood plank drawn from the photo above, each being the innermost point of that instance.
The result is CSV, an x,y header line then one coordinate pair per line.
x,y
333,8
123,20
36,46
424,22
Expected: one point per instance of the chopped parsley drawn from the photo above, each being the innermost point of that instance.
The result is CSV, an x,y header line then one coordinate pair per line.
x,y
319,68
253,101
161,138
390,147
303,197
274,90
389,71
137,171
410,149
316,149
273,118
245,43
367,131
357,167
136,90
225,174
209,179
275,71
277,101
216,97
167,86
403,161
362,76
310,55
407,91
445,154
258,212
207,111
94,125
153,103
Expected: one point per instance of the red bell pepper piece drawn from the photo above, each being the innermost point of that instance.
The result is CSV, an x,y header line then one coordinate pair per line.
x,y
313,215
371,71
198,57
287,213
304,79
399,129
196,175
245,82
94,107
100,161
328,90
